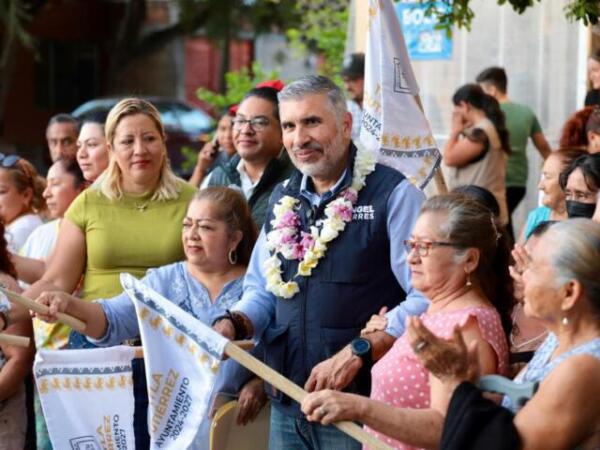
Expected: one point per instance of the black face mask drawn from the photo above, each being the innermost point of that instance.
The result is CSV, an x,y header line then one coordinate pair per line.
x,y
579,209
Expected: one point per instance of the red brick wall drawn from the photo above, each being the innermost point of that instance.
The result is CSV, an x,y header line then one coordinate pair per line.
x,y
202,62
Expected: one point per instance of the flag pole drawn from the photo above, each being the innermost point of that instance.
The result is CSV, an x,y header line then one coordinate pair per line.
x,y
244,345
438,176
11,339
30,304
295,392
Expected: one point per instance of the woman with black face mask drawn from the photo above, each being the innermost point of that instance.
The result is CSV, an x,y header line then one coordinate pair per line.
x,y
581,182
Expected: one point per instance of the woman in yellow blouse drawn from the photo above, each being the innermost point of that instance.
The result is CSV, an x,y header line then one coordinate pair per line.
x,y
128,221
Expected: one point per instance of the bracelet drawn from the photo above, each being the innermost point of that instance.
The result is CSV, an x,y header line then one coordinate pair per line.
x,y
237,321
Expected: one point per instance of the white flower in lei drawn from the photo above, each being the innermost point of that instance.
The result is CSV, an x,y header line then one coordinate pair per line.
x,y
289,241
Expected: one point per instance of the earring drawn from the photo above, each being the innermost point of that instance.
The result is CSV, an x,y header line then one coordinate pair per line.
x,y
232,257
468,283
565,321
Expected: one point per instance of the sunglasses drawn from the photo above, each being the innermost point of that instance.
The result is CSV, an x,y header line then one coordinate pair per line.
x,y
8,161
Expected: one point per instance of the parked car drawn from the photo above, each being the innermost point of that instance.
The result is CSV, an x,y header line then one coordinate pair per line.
x,y
185,125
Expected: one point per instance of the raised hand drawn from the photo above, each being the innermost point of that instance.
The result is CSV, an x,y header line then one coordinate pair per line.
x,y
377,322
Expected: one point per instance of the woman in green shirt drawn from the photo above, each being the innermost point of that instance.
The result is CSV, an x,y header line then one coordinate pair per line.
x,y
128,221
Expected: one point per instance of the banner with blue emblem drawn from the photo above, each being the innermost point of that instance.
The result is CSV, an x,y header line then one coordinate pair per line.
x,y
424,41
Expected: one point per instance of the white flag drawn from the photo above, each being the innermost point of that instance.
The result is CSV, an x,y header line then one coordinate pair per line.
x,y
182,357
87,397
393,125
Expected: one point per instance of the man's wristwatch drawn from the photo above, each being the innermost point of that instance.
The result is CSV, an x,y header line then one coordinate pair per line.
x,y
361,347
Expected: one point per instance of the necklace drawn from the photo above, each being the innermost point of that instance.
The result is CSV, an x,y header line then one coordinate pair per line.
x,y
141,207
291,243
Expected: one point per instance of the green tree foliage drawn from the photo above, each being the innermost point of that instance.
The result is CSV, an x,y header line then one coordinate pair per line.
x,y
238,82
459,12
322,30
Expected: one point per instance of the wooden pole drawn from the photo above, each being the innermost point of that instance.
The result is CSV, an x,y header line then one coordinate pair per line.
x,y
245,345
236,351
11,339
18,299
295,392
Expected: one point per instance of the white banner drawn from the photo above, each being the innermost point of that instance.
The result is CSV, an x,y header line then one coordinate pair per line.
x,y
182,357
393,125
87,397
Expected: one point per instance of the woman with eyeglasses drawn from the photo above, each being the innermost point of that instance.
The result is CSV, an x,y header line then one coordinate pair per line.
x,y
460,262
561,289
21,199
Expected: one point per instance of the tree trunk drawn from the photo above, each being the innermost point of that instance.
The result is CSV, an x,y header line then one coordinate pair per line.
x,y
224,66
8,57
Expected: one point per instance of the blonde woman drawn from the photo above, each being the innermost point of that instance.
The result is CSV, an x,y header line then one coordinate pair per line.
x,y
128,221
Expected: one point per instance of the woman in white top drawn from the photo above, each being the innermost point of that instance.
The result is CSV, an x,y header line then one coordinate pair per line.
x,y
64,183
21,199
478,145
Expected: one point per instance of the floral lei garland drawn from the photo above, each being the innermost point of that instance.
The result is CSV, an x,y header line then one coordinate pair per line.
x,y
286,238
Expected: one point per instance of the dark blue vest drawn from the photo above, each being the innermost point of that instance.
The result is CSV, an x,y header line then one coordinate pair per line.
x,y
351,282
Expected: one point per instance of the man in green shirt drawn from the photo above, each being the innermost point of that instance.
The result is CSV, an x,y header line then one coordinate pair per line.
x,y
522,124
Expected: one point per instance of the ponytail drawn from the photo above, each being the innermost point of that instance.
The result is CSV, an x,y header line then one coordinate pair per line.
x,y
38,202
24,176
474,95
501,291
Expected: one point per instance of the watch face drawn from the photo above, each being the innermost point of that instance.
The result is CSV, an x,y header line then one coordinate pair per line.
x,y
361,346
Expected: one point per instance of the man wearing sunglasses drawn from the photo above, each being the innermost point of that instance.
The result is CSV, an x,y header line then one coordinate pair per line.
x,y
61,136
261,162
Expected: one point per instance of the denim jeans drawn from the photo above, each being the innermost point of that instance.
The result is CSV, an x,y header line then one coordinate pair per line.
x,y
292,433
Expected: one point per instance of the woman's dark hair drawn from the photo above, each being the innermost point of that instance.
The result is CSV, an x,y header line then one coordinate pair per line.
x,y
470,224
480,194
568,154
233,209
590,168
574,130
96,119
496,76
266,93
71,166
6,265
473,94
596,55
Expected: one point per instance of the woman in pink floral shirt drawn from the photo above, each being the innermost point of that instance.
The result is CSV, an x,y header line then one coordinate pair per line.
x,y
459,261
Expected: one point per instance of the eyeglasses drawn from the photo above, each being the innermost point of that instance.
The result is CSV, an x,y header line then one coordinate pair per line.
x,y
8,161
257,124
423,247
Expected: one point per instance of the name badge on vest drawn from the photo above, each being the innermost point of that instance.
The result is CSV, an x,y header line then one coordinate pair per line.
x,y
363,212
